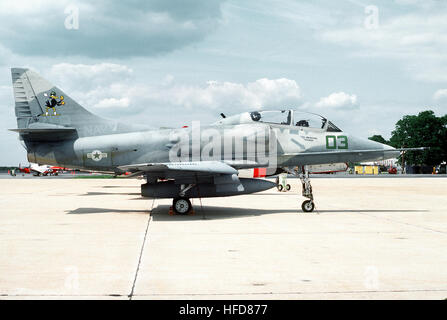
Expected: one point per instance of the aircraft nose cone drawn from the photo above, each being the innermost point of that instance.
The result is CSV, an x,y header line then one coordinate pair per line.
x,y
388,152
366,144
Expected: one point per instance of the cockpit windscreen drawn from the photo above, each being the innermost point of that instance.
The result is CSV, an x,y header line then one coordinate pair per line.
x,y
278,117
295,118
310,120
332,127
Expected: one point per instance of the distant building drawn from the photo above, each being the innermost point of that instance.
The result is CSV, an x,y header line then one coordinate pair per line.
x,y
366,169
374,167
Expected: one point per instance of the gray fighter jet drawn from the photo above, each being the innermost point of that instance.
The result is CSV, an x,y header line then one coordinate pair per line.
x,y
183,163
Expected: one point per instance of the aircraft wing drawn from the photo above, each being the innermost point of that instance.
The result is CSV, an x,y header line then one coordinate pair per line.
x,y
194,179
172,170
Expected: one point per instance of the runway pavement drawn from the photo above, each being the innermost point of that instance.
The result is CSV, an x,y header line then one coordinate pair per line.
x,y
94,238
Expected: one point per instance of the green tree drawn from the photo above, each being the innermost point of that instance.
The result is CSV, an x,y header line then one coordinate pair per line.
x,y
423,130
378,138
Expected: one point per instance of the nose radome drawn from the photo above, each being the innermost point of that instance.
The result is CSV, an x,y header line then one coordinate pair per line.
x,y
366,144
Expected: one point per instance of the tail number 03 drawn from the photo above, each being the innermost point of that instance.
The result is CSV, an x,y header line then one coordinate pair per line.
x,y
333,142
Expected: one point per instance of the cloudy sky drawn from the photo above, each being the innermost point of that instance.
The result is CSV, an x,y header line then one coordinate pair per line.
x,y
362,64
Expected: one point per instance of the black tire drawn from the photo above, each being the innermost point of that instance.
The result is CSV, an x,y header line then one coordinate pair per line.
x,y
181,205
280,187
308,206
288,187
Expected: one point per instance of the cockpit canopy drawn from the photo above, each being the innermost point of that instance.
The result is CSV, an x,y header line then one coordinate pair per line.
x,y
291,118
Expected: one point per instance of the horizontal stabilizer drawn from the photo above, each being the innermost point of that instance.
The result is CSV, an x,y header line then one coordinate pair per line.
x,y
28,130
47,133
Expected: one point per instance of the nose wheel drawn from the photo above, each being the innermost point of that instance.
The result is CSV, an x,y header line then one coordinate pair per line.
x,y
308,206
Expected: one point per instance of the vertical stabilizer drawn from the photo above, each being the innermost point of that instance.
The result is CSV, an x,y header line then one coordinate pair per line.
x,y
26,104
40,104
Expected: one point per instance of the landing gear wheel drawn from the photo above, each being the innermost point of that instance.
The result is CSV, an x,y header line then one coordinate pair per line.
x,y
181,205
288,187
280,187
308,206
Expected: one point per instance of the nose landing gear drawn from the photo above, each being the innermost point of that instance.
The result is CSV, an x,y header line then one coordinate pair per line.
x,y
303,174
308,205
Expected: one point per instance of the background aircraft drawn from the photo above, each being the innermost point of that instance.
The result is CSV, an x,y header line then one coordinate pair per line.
x,y
37,170
190,162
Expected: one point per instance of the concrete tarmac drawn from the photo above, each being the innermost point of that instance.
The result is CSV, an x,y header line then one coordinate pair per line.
x,y
94,238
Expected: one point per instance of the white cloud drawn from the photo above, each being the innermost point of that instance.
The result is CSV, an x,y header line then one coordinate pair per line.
x,y
168,80
440,94
417,41
93,74
89,71
262,93
113,103
106,28
110,86
338,100
225,96
85,78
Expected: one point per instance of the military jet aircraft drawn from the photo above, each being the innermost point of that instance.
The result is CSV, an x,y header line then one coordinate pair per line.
x,y
183,163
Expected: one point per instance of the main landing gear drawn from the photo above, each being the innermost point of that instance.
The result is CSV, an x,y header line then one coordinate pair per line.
x,y
303,174
181,204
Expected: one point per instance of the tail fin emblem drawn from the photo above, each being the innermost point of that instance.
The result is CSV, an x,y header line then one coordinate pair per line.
x,y
52,102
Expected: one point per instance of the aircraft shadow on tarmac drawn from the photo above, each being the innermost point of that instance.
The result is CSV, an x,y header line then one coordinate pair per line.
x,y
104,210
161,212
118,186
369,211
109,193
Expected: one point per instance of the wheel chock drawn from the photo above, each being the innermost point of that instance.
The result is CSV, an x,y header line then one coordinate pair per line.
x,y
172,212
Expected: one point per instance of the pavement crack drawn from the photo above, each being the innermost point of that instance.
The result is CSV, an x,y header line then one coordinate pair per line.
x,y
141,255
